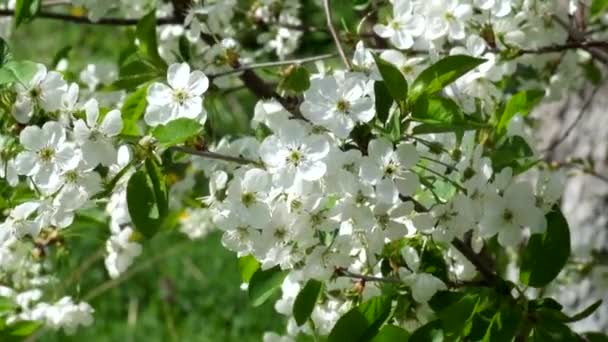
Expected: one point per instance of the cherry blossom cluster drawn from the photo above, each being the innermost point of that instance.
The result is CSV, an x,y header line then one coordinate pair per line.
x,y
328,191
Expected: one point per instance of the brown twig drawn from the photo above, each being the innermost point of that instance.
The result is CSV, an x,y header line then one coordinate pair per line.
x,y
87,21
334,34
212,155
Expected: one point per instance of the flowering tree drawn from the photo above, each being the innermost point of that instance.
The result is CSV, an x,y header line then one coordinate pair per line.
x,y
391,191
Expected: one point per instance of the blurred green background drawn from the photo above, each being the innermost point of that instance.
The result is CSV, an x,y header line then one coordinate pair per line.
x,y
177,290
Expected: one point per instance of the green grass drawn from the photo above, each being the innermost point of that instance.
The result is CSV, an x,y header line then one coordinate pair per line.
x,y
189,292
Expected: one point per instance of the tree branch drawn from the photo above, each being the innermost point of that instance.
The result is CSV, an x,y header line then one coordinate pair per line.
x,y
479,263
213,155
334,34
273,64
341,272
87,21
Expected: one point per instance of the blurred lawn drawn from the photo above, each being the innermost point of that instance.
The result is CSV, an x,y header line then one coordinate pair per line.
x,y
185,291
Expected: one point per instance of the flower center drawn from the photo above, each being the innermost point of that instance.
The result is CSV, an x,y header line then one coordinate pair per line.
x,y
507,215
46,154
390,169
383,220
248,198
35,92
295,157
280,233
180,96
343,106
71,176
407,69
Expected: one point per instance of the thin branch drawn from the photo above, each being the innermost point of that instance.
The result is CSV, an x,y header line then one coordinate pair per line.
x,y
213,155
87,21
479,263
560,48
570,128
273,64
341,272
334,34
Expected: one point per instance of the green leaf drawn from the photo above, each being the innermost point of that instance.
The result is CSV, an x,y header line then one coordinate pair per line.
x,y
7,304
394,80
184,48
598,7
297,80
513,152
383,100
521,103
546,254
5,53
264,283
456,319
550,329
142,204
585,313
135,72
439,115
23,328
504,325
595,337
177,131
26,10
430,332
391,333
441,74
159,185
145,33
17,71
133,109
247,267
306,300
361,323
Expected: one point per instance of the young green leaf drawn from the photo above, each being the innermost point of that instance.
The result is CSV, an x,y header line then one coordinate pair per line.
x,y
5,53
383,100
430,332
457,318
306,300
442,73
595,337
585,313
145,33
23,328
513,153
394,80
297,80
546,254
133,109
362,322
504,325
264,283
17,71
26,10
159,185
598,7
391,333
177,131
142,204
248,265
521,103
440,114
